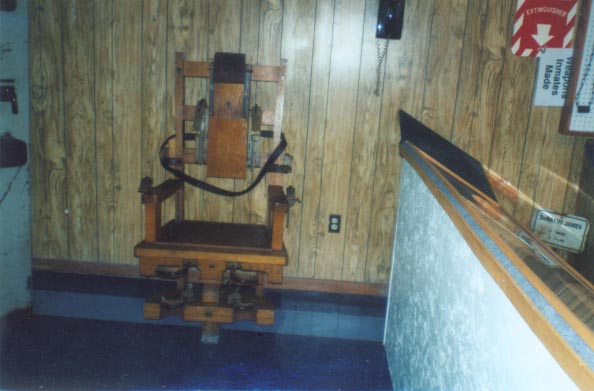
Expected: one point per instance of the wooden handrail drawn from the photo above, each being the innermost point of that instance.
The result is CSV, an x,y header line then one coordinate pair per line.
x,y
488,215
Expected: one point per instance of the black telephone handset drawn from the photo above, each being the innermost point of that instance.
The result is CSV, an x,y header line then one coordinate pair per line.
x,y
390,16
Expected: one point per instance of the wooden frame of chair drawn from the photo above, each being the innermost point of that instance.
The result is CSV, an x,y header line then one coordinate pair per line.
x,y
209,260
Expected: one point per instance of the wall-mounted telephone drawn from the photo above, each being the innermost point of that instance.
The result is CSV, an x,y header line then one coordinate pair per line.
x,y
390,15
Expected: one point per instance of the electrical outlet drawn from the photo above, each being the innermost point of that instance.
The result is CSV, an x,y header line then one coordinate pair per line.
x,y
334,224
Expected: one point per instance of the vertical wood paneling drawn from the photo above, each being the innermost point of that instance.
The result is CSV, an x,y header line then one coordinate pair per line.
x,y
188,33
308,250
555,165
513,112
575,172
79,127
466,93
340,124
153,83
153,117
127,74
531,166
494,48
48,171
297,46
102,92
270,36
364,145
443,64
405,72
104,136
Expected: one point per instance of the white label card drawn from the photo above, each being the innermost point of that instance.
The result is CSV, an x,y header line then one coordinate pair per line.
x,y
562,231
552,80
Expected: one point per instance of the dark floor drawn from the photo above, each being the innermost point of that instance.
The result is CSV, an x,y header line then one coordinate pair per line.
x,y
49,352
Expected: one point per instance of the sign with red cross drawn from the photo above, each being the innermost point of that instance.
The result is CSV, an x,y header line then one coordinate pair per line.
x,y
542,24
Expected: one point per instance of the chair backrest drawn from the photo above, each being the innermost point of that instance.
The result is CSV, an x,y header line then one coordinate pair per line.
x,y
227,134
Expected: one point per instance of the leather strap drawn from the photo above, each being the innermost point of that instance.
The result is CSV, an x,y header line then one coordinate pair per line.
x,y
268,167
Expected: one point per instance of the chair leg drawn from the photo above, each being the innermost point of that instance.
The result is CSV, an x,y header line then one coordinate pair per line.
x,y
210,330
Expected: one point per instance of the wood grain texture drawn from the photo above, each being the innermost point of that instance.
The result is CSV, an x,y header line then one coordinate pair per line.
x,y
452,68
104,132
466,93
490,72
79,127
187,34
153,83
308,251
575,173
226,148
585,208
404,71
127,33
364,144
555,165
48,153
530,169
269,41
297,49
340,126
513,112
443,64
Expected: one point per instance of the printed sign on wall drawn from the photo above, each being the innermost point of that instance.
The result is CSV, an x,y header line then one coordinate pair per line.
x,y
542,24
553,78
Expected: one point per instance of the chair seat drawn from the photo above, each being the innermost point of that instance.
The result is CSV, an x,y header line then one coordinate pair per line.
x,y
213,246
248,236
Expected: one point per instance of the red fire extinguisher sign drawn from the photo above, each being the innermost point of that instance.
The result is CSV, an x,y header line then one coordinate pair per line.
x,y
542,24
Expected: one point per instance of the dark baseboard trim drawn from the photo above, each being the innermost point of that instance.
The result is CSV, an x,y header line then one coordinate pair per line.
x,y
332,286
131,271
17,315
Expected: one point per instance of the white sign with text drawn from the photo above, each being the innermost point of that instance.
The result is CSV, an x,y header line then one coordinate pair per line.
x,y
552,80
567,232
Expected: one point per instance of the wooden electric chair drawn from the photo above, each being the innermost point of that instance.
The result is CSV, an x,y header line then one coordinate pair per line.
x,y
220,268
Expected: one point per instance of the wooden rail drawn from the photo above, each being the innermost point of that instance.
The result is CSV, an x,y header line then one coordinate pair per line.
x,y
567,292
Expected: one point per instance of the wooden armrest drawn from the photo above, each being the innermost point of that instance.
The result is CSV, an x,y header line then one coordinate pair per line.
x,y
278,206
163,191
277,199
152,201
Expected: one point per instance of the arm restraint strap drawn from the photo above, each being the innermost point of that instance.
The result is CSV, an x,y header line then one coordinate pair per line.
x,y
268,167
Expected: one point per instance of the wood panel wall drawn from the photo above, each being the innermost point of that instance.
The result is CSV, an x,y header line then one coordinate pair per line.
x,y
102,76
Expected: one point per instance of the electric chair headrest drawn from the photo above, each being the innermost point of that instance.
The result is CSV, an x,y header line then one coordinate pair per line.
x,y
229,68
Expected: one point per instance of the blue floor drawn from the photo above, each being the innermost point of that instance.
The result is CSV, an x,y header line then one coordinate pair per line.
x,y
69,351
296,313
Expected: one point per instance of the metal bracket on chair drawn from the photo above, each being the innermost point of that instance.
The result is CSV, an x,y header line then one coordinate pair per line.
x,y
146,185
167,272
253,157
200,127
